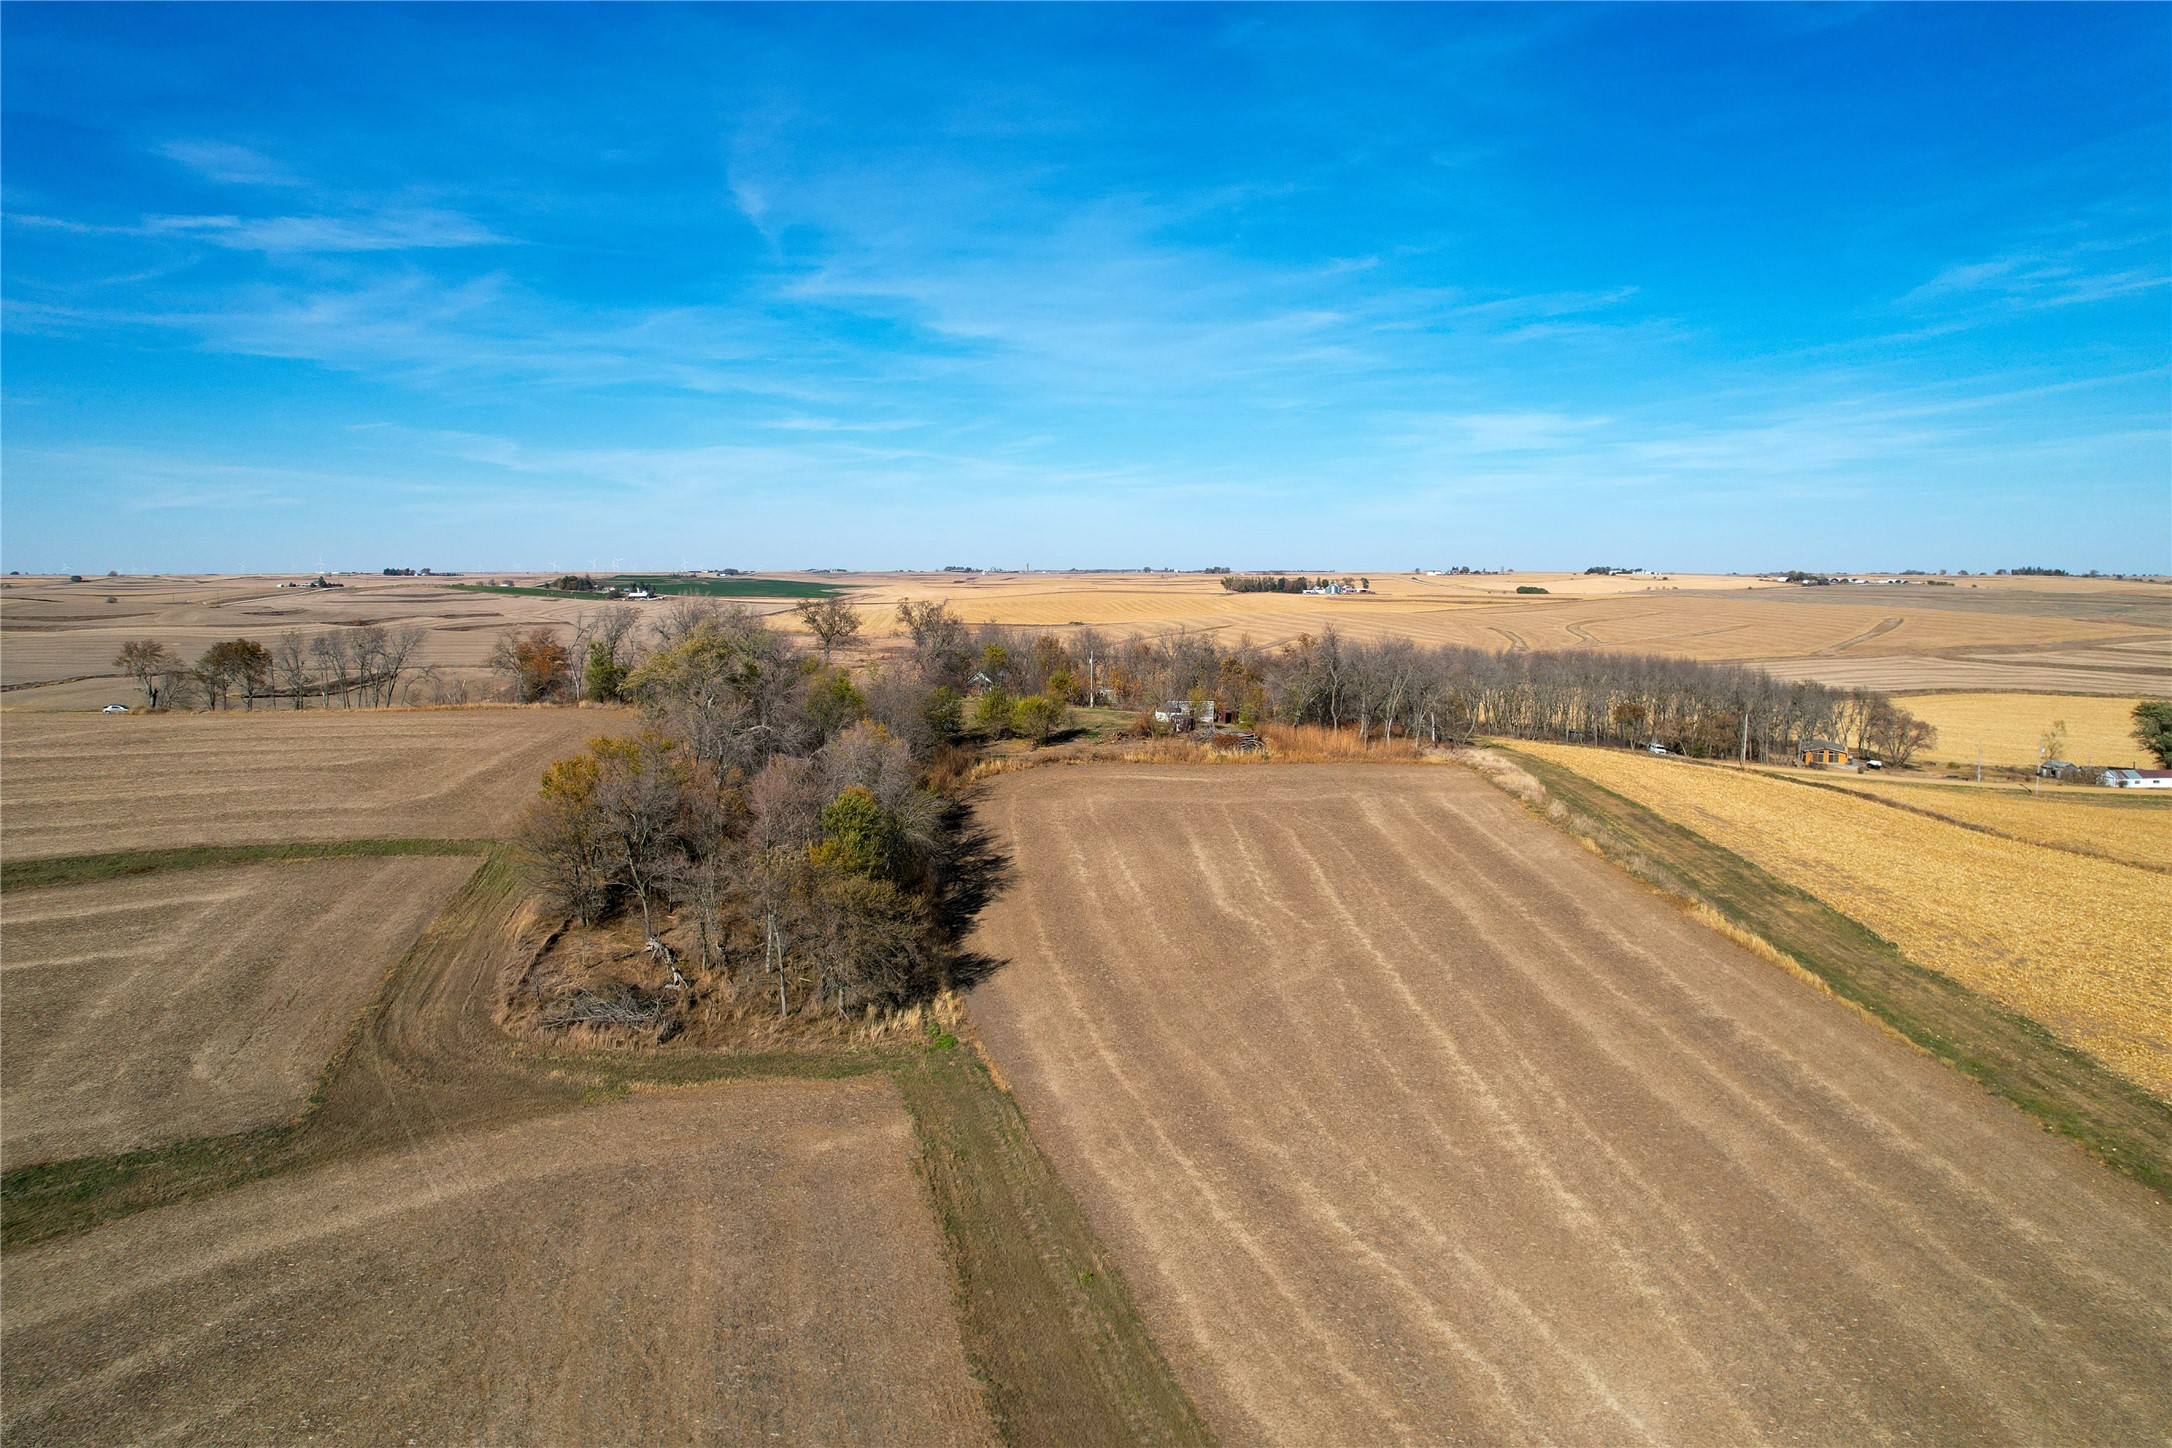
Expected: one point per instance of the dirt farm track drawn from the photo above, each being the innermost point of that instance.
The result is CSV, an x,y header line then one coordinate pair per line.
x,y
1411,1121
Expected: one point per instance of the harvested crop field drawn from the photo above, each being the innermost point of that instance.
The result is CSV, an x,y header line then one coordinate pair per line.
x,y
2099,730
2074,943
86,784
191,1002
1685,616
2128,826
726,1264
1410,1120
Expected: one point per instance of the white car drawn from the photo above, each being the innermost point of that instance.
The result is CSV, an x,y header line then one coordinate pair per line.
x,y
114,709
1657,748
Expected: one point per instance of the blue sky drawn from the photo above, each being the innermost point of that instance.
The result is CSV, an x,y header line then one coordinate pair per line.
x,y
498,287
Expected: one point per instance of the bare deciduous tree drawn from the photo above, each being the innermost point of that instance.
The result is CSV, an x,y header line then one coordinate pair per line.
x,y
290,664
834,622
678,619
335,663
152,665
396,655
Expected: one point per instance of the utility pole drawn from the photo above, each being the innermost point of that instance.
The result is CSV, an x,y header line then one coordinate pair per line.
x,y
1745,739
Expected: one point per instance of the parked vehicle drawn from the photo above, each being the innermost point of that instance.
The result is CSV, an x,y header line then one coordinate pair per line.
x,y
114,709
1657,748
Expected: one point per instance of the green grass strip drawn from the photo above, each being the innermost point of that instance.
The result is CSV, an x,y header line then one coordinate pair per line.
x,y
2009,1055
120,864
1050,1327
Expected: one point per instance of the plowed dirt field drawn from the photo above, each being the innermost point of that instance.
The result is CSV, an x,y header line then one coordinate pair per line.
x,y
86,784
730,1264
192,1002
1411,1121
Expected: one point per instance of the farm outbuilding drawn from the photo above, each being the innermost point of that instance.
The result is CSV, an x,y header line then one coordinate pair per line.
x,y
1182,714
2138,778
1824,751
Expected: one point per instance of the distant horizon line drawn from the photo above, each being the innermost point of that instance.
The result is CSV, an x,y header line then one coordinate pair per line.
x,y
1206,571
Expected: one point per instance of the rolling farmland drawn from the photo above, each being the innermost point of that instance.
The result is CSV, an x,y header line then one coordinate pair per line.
x,y
537,1283
76,785
192,1002
1411,1120
2080,635
243,1206
1405,1118
2074,943
1707,618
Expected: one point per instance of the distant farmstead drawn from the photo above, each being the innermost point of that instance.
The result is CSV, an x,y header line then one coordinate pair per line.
x,y
1824,751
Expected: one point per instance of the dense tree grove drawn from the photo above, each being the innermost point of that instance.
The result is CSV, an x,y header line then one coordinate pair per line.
x,y
782,811
1265,582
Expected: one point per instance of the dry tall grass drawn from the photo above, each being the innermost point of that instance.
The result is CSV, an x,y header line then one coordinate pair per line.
x,y
2078,944
1312,744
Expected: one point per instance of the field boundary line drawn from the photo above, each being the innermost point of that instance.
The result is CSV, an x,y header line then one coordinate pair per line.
x,y
49,683
121,864
1879,629
2012,1057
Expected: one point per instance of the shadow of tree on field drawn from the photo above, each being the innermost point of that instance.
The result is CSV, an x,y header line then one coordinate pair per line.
x,y
976,872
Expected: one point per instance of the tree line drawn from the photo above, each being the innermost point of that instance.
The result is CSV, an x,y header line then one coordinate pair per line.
x,y
1394,688
357,667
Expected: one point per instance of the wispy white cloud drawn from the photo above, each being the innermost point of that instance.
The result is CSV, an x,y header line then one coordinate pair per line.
x,y
394,230
2041,279
229,164
839,424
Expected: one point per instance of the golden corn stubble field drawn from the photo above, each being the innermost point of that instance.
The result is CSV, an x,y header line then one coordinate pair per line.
x,y
2082,945
2099,729
191,1002
1409,1120
2079,635
2130,827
